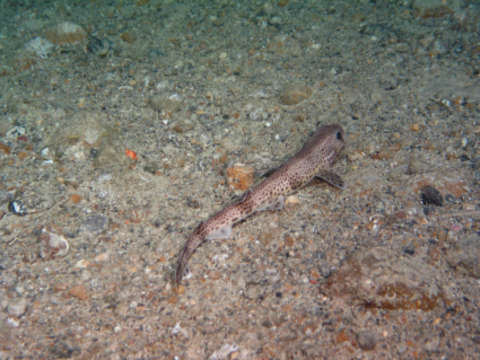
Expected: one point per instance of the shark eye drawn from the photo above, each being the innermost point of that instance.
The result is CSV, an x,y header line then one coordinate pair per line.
x,y
339,135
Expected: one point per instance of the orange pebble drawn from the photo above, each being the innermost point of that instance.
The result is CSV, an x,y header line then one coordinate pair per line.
x,y
5,148
131,154
75,198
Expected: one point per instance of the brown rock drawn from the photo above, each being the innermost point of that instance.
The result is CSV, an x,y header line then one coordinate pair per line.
x,y
240,177
66,33
430,195
379,278
79,291
5,148
295,94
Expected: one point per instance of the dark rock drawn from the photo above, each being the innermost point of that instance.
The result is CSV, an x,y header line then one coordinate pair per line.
x,y
431,196
366,340
95,223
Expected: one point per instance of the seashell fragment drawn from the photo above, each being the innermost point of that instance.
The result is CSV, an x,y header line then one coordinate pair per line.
x,y
39,46
66,33
17,208
53,245
97,46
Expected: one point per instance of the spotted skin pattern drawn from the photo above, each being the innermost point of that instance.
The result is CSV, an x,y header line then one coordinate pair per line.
x,y
314,159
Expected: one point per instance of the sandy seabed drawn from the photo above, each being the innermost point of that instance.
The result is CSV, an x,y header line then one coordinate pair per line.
x,y
120,119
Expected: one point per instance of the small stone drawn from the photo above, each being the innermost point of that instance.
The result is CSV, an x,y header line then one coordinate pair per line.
x,y
66,33
17,207
414,166
5,148
366,341
295,94
292,200
430,195
75,198
82,264
13,322
53,244
95,223
40,47
79,292
276,20
17,308
102,257
409,249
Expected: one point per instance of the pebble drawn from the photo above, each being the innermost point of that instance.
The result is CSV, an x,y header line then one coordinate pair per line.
x,y
292,200
4,148
276,20
13,322
82,264
431,196
366,340
102,257
95,223
295,94
75,198
66,33
17,207
17,307
79,291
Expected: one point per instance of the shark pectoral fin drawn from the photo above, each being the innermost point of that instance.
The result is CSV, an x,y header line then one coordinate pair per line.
x,y
278,204
222,233
330,178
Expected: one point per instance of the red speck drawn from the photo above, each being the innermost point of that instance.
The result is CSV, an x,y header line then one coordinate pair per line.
x,y
131,154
